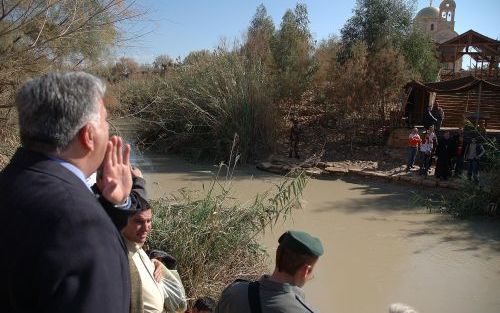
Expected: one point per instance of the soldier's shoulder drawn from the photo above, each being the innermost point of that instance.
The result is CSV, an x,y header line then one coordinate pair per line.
x,y
303,306
236,287
232,298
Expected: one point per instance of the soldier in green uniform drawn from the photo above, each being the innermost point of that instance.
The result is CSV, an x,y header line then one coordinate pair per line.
x,y
296,256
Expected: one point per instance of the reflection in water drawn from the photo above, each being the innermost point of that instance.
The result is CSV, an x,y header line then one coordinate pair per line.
x,y
379,249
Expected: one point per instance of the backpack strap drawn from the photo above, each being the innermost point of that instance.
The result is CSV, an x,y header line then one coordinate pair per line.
x,y
254,298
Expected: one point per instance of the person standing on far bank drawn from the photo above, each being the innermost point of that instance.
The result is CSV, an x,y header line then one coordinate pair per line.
x,y
295,131
473,154
428,119
62,253
438,114
414,142
296,257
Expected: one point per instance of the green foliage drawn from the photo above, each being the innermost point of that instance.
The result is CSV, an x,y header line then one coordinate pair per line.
x,y
421,55
260,32
214,238
382,23
326,56
376,21
292,50
200,107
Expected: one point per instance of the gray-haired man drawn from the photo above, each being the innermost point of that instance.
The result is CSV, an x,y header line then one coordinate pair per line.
x,y
62,251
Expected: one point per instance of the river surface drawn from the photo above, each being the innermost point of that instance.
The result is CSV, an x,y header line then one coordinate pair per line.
x,y
380,249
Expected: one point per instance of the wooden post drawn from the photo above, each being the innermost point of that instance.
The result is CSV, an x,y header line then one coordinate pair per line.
x,y
479,102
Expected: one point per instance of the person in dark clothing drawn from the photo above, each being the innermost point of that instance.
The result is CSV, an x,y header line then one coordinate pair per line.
x,y
458,153
410,106
63,252
438,113
443,153
473,154
294,138
429,119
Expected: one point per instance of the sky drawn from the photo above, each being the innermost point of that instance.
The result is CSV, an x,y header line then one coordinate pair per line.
x,y
177,27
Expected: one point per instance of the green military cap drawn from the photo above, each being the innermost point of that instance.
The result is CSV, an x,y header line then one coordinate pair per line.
x,y
301,242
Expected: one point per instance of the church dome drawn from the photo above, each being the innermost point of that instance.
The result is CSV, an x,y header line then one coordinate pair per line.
x,y
428,12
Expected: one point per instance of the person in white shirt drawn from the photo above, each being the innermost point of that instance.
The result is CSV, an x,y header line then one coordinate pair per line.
x,y
426,153
135,235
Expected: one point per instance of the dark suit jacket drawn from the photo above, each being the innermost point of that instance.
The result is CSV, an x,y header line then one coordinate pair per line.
x,y
61,251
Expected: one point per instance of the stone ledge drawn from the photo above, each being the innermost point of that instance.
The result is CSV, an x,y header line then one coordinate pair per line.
x,y
323,169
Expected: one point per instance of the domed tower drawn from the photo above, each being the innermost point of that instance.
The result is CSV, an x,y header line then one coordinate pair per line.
x,y
427,20
446,22
439,24
447,14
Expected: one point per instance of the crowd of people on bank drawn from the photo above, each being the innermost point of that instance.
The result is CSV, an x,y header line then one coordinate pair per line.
x,y
451,152
76,217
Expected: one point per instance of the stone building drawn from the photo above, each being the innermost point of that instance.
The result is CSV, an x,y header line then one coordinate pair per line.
x,y
439,24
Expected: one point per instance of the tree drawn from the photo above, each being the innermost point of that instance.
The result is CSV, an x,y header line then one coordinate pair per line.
x,y
421,55
292,48
39,35
326,57
379,20
124,67
386,77
162,64
389,23
259,35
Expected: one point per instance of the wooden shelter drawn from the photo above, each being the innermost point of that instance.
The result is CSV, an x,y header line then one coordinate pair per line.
x,y
468,97
483,50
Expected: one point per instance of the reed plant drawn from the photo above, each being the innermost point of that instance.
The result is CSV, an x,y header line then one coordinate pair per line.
x,y
197,108
215,238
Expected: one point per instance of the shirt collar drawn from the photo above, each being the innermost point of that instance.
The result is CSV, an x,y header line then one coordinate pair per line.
x,y
132,247
73,169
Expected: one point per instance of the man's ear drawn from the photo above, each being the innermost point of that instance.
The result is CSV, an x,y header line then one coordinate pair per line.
x,y
304,271
86,137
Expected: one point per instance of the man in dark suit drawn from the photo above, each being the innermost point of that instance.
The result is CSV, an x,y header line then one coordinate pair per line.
x,y
61,251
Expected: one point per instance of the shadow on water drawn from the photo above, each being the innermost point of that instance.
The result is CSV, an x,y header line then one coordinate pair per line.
x,y
381,197
377,195
471,234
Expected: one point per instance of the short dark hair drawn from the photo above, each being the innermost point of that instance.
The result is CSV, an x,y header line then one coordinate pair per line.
x,y
290,262
204,304
142,204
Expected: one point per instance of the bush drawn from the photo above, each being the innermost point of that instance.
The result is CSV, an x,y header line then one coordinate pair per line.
x,y
200,107
214,238
9,138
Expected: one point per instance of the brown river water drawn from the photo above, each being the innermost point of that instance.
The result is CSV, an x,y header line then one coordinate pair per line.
x,y
380,249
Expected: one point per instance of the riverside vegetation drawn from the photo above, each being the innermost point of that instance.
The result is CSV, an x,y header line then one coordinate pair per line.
x,y
235,100
216,239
